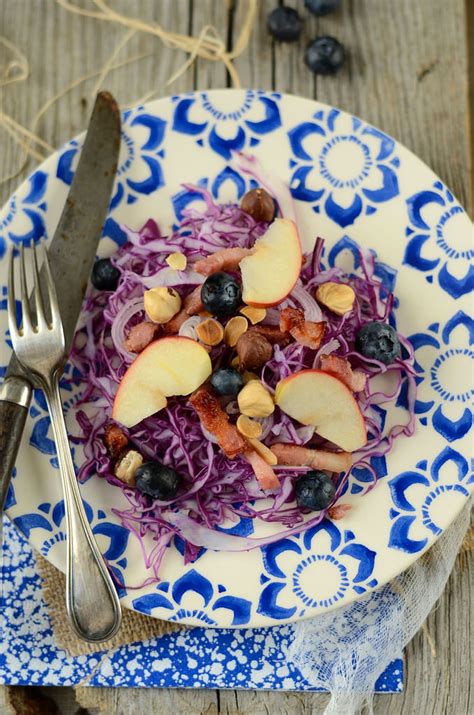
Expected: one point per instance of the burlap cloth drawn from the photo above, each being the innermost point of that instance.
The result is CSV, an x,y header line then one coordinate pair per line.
x,y
135,627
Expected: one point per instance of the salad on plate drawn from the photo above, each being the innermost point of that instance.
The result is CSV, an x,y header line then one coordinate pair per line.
x,y
225,374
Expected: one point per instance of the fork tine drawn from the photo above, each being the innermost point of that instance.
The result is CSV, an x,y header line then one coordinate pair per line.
x,y
53,299
12,324
27,325
40,316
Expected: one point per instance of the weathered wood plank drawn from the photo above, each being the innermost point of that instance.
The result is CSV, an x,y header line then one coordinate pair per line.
x,y
407,74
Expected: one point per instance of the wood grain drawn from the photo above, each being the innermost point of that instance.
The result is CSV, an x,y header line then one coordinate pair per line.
x,y
408,74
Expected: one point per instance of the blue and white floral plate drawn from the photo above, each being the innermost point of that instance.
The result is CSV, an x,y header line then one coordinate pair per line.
x,y
352,184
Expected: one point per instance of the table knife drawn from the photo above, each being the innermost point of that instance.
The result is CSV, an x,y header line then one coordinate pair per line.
x,y
71,256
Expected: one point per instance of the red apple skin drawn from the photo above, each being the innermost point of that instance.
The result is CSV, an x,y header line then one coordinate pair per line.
x,y
271,304
340,386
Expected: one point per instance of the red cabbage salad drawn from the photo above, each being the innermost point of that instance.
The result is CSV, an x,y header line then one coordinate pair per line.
x,y
226,375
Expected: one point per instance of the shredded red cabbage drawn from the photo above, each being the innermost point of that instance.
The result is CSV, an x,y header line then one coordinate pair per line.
x,y
218,489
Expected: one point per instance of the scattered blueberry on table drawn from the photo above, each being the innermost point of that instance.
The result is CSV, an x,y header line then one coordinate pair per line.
x,y
314,491
378,341
322,7
227,381
324,55
285,24
221,295
105,276
157,481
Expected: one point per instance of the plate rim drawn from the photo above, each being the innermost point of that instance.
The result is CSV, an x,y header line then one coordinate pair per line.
x,y
256,620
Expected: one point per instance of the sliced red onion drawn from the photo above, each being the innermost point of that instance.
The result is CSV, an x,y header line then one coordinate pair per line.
x,y
312,311
326,349
272,317
267,424
305,433
232,408
170,277
188,328
220,541
121,320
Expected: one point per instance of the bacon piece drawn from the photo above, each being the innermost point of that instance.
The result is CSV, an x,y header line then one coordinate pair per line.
x,y
296,456
272,333
140,336
173,325
227,259
263,471
216,421
341,368
338,511
115,440
192,305
305,332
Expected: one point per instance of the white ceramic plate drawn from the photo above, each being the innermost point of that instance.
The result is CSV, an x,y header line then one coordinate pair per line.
x,y
352,184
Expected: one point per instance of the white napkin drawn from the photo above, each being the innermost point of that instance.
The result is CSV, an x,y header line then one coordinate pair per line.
x,y
346,650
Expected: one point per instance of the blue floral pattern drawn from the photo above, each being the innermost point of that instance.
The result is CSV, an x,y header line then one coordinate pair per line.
x,y
222,130
417,517
302,142
435,244
318,576
23,218
140,165
447,357
345,189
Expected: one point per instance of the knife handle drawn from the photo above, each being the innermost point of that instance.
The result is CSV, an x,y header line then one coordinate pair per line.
x,y
15,396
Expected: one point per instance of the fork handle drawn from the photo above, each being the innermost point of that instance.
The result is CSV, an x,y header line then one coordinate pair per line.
x,y
91,599
15,395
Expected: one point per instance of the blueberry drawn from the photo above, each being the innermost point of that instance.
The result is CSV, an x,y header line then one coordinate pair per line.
x,y
284,24
314,491
322,7
221,294
227,381
105,276
157,481
378,341
324,55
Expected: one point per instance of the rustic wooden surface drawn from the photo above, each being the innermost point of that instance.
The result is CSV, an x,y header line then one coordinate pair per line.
x,y
408,74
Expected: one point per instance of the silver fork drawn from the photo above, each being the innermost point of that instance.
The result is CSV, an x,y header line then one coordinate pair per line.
x,y
92,602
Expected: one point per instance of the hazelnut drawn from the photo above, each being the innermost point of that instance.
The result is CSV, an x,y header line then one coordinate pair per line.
x,y
254,400
210,332
254,351
126,467
263,451
337,297
255,315
161,304
236,327
178,261
249,427
259,204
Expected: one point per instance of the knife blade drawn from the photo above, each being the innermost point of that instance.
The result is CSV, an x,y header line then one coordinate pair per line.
x,y
71,255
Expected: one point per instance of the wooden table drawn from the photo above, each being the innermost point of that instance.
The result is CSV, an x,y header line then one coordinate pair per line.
x,y
408,74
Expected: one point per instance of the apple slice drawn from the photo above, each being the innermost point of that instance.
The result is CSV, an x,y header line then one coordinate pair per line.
x,y
170,366
316,398
271,272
